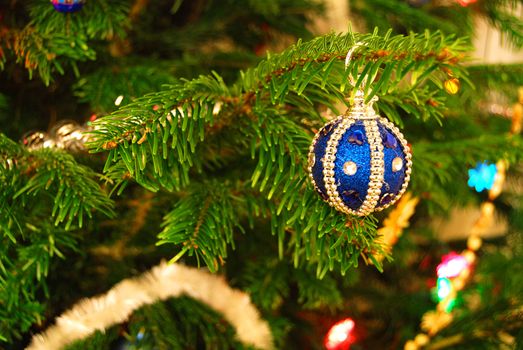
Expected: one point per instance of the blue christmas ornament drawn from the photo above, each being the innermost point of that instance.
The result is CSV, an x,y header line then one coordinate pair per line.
x,y
66,6
483,176
360,162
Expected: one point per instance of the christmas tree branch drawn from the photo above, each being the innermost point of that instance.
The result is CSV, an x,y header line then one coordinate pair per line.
x,y
508,23
120,249
203,223
23,268
47,52
190,104
88,22
54,173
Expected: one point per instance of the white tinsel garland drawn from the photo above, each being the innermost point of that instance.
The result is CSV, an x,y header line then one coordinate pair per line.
x,y
162,282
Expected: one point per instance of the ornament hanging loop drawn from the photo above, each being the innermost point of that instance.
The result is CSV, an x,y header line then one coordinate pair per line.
x,y
359,105
347,61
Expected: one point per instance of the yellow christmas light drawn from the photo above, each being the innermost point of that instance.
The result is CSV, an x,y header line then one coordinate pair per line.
x,y
452,85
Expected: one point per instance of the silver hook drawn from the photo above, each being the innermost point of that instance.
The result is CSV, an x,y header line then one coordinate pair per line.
x,y
360,108
349,57
351,51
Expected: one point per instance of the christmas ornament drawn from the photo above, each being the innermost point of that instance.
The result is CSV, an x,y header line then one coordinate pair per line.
x,y
340,335
65,134
67,6
360,162
482,177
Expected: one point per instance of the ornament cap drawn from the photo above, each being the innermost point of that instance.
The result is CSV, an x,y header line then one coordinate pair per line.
x,y
359,109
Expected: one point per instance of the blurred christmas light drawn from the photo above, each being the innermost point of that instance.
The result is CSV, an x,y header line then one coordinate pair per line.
x,y
118,100
465,3
450,305
444,288
482,177
340,335
452,85
451,265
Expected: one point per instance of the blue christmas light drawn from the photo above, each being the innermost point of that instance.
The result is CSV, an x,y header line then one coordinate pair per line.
x,y
482,177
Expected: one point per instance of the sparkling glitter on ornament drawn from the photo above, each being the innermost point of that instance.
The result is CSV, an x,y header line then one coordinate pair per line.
x,y
350,168
67,6
482,177
452,265
340,335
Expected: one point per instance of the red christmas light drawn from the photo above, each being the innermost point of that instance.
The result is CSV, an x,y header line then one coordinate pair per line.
x,y
340,335
465,3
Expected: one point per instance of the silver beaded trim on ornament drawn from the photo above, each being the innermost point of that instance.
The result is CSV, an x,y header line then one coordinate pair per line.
x,y
311,158
334,198
377,167
408,157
